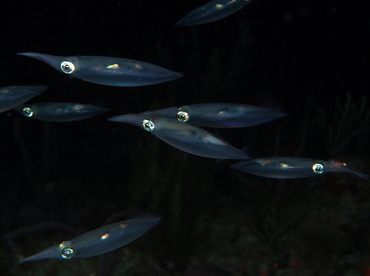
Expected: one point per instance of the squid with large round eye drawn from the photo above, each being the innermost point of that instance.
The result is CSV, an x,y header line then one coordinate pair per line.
x,y
219,115
292,167
60,112
98,241
12,96
109,71
212,11
185,137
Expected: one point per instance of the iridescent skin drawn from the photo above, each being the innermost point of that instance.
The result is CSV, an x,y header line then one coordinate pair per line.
x,y
98,241
12,96
185,137
212,11
60,112
292,167
219,115
109,71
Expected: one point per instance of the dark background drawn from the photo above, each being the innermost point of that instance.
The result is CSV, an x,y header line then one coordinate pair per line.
x,y
308,59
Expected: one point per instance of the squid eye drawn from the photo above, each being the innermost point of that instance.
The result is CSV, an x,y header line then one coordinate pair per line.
x,y
318,168
27,111
67,67
67,253
68,250
182,116
148,125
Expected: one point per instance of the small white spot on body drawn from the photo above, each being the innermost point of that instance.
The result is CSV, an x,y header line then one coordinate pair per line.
x,y
138,66
113,66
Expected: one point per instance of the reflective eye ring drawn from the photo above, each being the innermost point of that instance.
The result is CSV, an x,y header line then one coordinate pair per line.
x,y
182,116
27,111
67,253
67,250
318,168
67,67
148,125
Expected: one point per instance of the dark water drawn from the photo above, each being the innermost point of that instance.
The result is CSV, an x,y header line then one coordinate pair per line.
x,y
308,59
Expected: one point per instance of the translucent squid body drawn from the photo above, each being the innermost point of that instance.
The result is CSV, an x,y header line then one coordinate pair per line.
x,y
12,96
212,11
60,112
110,71
185,137
99,241
292,167
219,115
